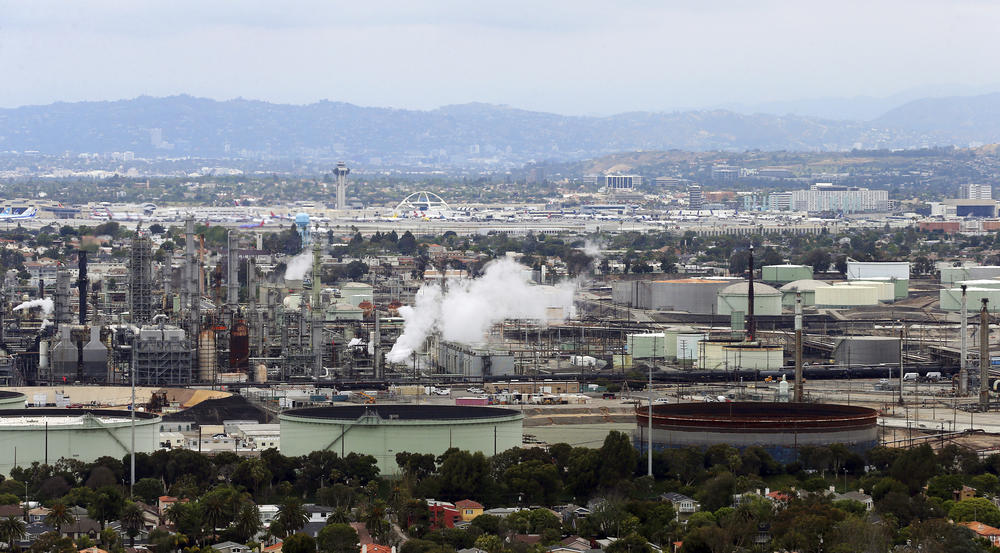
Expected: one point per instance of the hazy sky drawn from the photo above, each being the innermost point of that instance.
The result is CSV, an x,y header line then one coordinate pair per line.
x,y
574,56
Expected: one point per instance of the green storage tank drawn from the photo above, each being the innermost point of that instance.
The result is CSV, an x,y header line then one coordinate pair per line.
x,y
783,274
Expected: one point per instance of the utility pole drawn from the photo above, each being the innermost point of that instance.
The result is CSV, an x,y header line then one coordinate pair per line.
x,y
984,356
901,335
798,395
649,436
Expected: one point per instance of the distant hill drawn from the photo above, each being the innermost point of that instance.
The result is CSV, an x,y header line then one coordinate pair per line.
x,y
953,120
467,134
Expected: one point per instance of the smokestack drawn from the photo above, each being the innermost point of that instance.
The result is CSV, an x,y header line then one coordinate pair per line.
x,y
798,348
751,331
984,356
232,277
81,284
963,375
41,288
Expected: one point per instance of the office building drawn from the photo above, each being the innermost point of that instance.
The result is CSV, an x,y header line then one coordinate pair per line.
x,y
975,192
843,199
695,197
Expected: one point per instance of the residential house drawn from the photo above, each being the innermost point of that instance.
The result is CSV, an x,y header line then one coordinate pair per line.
x,y
860,496
15,511
276,548
83,526
163,504
502,512
571,512
376,548
965,493
683,504
572,544
92,550
38,514
984,531
443,514
469,509
230,547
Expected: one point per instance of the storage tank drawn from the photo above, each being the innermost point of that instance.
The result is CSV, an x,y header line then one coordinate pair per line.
x,y
689,295
356,292
984,283
885,290
239,347
806,287
207,360
383,430
780,428
688,345
868,270
953,275
866,350
766,300
47,435
733,354
846,296
783,274
951,299
95,358
646,346
12,400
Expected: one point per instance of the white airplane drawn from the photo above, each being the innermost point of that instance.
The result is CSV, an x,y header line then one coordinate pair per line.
x,y
9,214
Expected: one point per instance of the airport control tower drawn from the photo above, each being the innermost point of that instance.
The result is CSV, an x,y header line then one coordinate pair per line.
x,y
342,171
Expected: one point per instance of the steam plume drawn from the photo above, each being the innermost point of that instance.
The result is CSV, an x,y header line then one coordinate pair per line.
x,y
298,266
45,304
466,310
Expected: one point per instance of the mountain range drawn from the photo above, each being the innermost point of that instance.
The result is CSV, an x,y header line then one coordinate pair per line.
x,y
467,134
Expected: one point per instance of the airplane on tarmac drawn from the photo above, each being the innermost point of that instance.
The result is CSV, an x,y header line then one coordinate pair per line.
x,y
9,214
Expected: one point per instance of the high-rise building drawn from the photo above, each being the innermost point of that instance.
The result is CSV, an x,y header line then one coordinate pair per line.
x,y
623,187
696,200
826,196
975,192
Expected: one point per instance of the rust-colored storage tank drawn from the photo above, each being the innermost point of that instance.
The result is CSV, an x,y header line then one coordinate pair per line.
x,y
239,348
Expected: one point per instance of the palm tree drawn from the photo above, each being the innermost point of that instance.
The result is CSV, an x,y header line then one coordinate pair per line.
x,y
248,521
59,516
291,517
131,520
11,530
213,511
339,516
376,522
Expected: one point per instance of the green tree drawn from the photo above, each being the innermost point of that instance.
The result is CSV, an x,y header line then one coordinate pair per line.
x,y
107,505
12,530
407,244
299,543
337,538
618,458
975,509
489,543
59,516
148,489
291,517
247,523
632,543
131,520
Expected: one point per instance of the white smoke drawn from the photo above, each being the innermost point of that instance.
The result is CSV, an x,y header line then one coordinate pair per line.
x,y
593,249
45,304
467,309
298,266
46,323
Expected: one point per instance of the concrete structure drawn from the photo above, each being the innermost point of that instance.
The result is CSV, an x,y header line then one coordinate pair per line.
x,y
354,293
47,435
384,430
853,351
691,295
779,428
622,187
457,359
734,298
973,191
844,199
341,172
12,400
806,287
783,274
971,208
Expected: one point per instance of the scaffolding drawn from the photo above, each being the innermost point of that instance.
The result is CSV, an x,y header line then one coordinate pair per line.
x,y
162,356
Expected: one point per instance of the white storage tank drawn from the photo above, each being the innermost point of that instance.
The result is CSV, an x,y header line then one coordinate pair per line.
x,y
47,435
355,293
766,300
867,270
730,355
647,346
847,296
951,299
806,287
12,400
688,345
885,290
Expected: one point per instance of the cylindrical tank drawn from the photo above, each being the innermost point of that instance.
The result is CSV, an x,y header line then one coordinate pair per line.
x,y
43,355
383,430
782,274
846,296
766,300
12,400
239,347
206,355
95,357
260,374
40,435
805,287
780,428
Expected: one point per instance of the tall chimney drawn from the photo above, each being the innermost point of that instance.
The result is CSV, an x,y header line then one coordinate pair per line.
x,y
751,331
81,284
